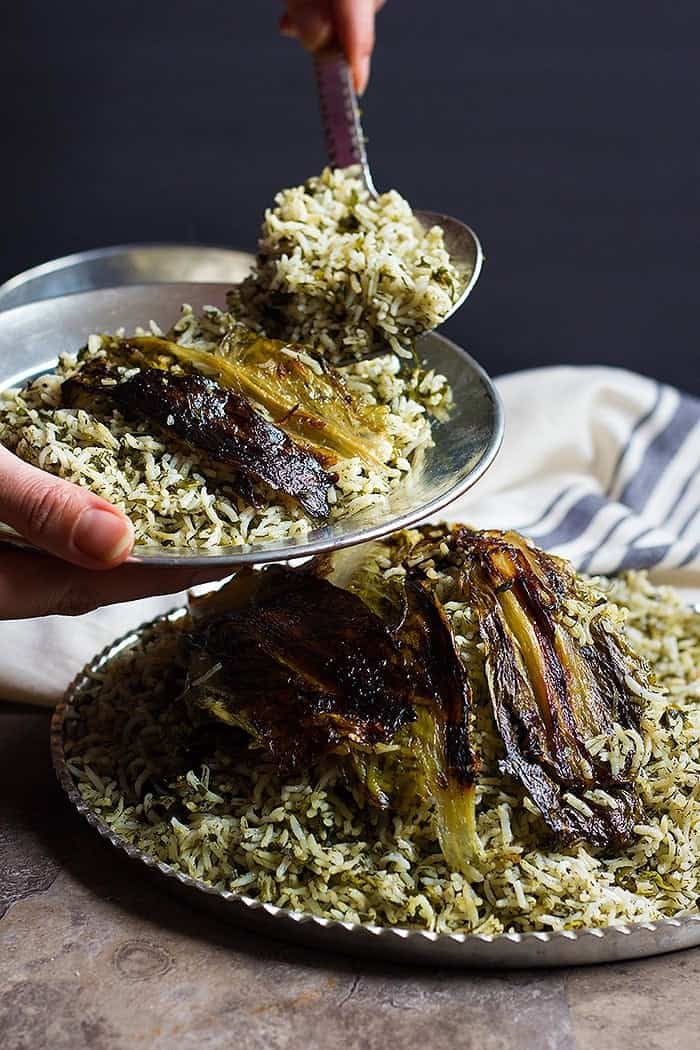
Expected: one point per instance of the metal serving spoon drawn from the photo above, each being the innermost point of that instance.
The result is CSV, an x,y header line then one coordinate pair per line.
x,y
346,146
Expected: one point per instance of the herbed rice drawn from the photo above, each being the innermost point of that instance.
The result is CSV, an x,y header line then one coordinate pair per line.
x,y
305,845
346,273
175,497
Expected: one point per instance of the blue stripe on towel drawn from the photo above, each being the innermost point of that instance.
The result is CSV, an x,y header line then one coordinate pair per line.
x,y
688,522
643,557
652,473
585,561
546,512
637,426
575,522
660,453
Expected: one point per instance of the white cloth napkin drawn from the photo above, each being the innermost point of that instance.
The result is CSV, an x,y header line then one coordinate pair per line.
x,y
598,464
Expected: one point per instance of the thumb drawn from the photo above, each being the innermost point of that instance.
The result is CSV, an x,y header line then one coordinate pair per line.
x,y
62,518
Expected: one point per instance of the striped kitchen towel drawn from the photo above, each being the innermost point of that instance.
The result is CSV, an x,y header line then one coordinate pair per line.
x,y
599,465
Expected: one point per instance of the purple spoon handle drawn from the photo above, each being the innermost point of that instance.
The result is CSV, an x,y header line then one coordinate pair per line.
x,y
340,113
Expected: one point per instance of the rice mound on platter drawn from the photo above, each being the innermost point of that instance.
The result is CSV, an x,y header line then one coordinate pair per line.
x,y
346,273
176,497
304,844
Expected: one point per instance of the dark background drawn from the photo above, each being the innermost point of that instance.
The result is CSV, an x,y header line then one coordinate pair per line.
x,y
565,133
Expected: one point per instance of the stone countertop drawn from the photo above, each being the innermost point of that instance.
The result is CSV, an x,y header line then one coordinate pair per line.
x,y
94,957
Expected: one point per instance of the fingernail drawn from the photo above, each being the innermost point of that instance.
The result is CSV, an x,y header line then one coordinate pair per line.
x,y
362,74
314,31
102,535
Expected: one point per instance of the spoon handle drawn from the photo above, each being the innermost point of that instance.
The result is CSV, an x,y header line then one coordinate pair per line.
x,y
340,113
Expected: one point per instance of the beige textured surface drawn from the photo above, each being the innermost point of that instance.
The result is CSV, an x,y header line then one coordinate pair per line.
x,y
94,957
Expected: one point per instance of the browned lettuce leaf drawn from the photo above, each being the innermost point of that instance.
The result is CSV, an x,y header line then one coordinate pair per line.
x,y
310,670
308,399
557,677
219,422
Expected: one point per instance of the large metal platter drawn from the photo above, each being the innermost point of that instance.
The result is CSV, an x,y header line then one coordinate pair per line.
x,y
32,337
570,948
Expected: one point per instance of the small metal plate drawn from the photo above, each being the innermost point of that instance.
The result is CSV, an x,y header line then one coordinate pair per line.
x,y
568,948
32,337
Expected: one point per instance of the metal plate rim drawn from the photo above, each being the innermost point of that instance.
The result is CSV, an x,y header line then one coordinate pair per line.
x,y
65,262
553,948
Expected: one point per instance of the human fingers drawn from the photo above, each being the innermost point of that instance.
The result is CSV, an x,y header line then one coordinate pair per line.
x,y
354,27
350,22
62,518
310,21
33,584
